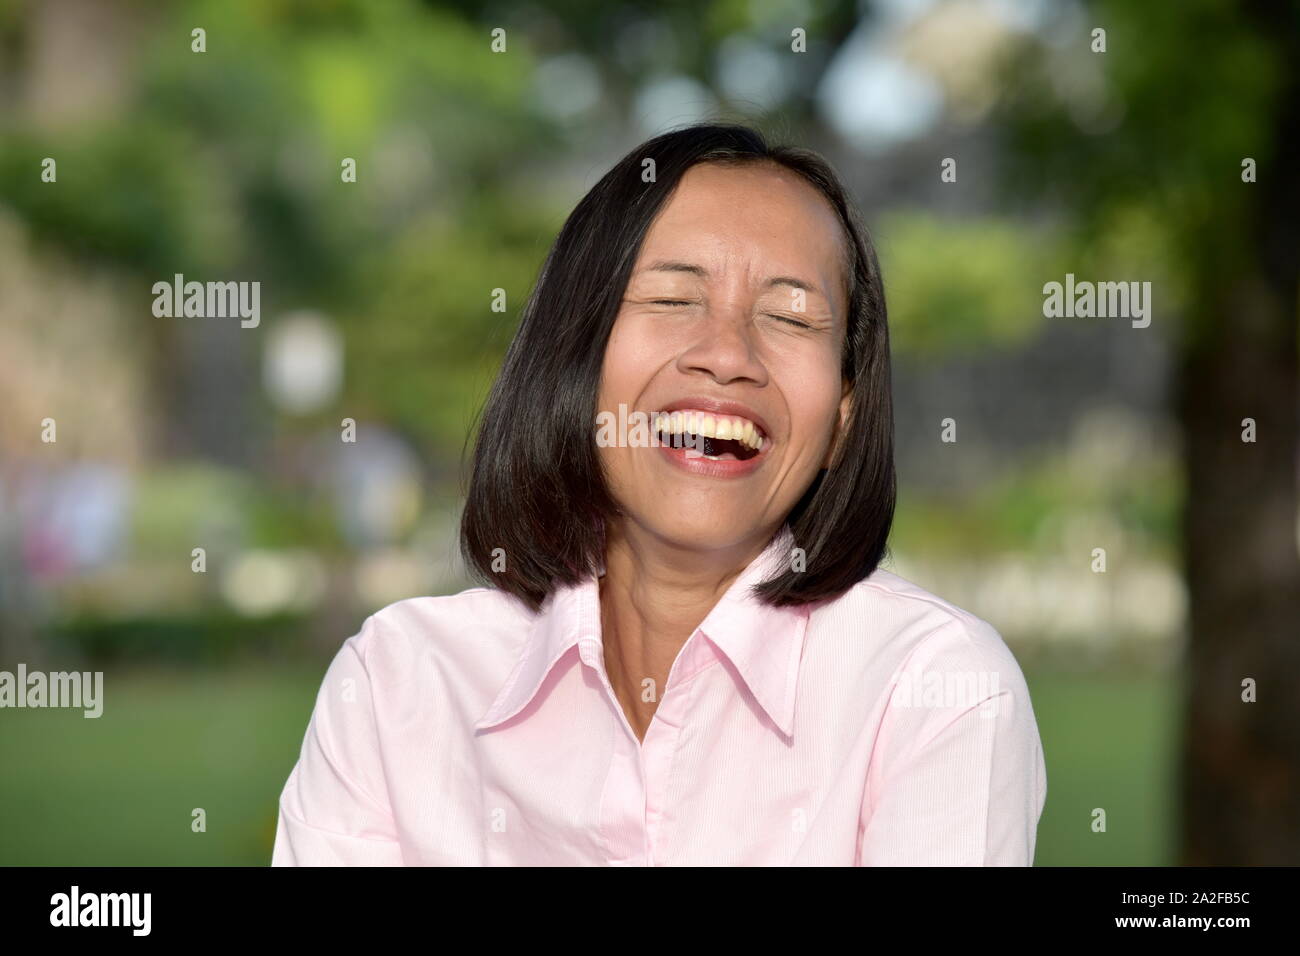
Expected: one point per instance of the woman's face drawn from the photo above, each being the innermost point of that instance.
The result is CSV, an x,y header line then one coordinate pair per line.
x,y
732,326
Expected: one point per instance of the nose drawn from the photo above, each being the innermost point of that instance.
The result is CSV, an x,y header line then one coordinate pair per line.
x,y
724,350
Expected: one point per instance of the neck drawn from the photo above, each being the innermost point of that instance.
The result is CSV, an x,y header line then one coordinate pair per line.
x,y
652,598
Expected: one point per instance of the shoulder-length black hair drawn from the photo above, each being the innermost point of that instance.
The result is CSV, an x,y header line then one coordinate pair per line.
x,y
537,491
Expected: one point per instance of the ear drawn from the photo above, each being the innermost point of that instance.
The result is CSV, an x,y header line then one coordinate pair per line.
x,y
841,424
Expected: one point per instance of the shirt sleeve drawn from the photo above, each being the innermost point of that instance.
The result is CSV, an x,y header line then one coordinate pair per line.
x,y
334,808
957,777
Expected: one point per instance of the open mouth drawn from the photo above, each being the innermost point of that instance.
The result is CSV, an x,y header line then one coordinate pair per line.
x,y
716,437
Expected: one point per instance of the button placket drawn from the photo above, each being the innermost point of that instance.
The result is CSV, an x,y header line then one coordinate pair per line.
x,y
637,782
660,744
657,752
621,814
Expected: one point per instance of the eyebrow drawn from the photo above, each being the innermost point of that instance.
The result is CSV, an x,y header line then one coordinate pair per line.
x,y
673,265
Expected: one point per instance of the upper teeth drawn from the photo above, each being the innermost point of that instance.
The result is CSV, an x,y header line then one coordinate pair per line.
x,y
730,427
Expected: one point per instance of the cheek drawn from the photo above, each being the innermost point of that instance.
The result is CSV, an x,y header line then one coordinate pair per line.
x,y
623,370
625,373
814,390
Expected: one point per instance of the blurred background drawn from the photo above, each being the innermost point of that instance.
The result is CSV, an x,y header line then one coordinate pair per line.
x,y
1125,162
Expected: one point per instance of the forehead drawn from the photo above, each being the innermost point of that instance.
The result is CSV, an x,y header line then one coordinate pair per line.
x,y
757,202
759,214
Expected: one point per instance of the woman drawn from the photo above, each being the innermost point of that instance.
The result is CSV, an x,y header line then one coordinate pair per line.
x,y
688,654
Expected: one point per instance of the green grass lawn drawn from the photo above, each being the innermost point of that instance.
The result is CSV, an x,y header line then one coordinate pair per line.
x,y
1110,743
120,789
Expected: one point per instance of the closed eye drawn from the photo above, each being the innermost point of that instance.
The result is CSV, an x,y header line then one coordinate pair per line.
x,y
780,318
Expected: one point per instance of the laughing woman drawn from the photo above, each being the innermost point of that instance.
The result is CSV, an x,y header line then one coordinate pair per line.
x,y
688,653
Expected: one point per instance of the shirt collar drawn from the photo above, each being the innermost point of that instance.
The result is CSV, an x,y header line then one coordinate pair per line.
x,y
763,643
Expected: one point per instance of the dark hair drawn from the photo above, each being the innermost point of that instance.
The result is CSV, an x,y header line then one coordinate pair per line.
x,y
539,492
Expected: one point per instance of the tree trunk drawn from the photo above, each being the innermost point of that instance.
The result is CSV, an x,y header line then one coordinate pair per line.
x,y
1241,761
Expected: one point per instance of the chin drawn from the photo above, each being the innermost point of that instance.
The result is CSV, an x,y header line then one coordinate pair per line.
x,y
718,533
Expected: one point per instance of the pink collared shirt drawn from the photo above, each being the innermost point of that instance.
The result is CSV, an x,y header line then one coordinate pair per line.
x,y
886,727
